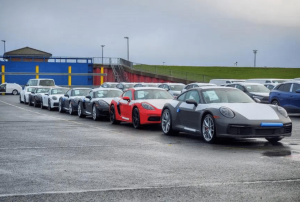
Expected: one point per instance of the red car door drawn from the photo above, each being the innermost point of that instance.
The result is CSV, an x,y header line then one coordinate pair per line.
x,y
125,108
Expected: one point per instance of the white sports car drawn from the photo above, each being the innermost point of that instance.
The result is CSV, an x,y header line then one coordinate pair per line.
x,y
51,99
24,94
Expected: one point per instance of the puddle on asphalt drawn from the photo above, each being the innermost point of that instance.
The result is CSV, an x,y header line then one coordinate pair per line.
x,y
293,155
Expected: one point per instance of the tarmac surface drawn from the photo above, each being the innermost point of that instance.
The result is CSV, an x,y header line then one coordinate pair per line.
x,y
48,156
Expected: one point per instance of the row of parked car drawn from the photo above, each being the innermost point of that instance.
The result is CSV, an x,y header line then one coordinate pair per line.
x,y
208,110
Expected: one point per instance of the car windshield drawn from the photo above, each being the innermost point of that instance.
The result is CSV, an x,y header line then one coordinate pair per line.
x,y
257,88
176,87
47,83
109,85
81,92
128,86
42,90
278,81
152,94
150,85
30,89
225,96
59,91
107,93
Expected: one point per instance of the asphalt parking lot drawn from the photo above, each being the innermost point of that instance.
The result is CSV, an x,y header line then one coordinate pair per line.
x,y
48,156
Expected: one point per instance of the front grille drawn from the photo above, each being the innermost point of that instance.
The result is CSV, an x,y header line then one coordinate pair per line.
x,y
287,128
239,130
264,131
154,118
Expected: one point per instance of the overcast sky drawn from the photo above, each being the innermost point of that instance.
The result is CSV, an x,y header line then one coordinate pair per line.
x,y
177,32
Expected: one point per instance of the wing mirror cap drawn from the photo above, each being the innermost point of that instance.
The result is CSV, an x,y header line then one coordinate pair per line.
x,y
191,101
126,98
88,96
46,93
66,95
298,91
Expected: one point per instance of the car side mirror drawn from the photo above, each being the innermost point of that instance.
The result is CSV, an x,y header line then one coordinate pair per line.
x,y
66,95
32,92
256,100
46,93
89,97
126,98
298,91
192,101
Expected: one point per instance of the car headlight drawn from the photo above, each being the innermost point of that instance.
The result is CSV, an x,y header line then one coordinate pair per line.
x,y
54,98
258,97
227,112
282,111
147,106
103,103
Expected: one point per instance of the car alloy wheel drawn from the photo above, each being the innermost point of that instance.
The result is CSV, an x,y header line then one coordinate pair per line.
x,y
15,92
70,108
79,111
166,121
95,114
208,128
34,103
60,107
112,115
42,107
136,118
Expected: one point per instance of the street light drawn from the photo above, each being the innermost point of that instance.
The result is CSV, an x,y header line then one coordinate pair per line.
x,y
254,51
4,45
126,37
102,53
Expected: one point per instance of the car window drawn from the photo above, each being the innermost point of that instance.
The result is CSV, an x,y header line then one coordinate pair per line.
x,y
192,95
47,83
91,93
181,97
257,89
240,87
107,93
280,87
270,87
228,82
176,87
80,92
33,82
42,90
152,94
296,87
231,85
267,81
69,92
59,91
128,94
225,96
287,87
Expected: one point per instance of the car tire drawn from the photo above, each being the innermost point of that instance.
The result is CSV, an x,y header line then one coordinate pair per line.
x,y
15,92
20,99
42,107
274,139
136,118
29,102
71,110
95,113
34,103
275,102
60,107
112,115
25,100
79,111
209,129
49,106
166,123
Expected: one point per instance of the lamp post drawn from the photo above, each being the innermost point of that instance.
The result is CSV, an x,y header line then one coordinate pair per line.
x,y
254,51
4,45
102,53
126,37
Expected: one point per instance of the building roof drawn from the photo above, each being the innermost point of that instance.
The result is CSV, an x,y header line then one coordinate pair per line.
x,y
29,52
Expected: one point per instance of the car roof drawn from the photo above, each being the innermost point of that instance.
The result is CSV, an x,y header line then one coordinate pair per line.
x,y
174,83
96,89
145,88
250,84
209,84
81,88
212,87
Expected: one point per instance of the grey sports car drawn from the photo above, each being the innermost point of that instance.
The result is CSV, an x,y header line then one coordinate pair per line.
x,y
216,112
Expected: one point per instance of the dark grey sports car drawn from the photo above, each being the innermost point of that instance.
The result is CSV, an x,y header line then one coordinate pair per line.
x,y
215,112
96,103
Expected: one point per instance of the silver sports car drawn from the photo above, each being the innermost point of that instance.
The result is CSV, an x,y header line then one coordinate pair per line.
x,y
216,112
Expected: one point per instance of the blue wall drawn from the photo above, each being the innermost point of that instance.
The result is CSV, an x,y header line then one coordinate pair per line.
x,y
44,67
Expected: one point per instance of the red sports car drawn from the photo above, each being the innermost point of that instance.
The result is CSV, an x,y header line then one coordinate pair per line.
x,y
141,105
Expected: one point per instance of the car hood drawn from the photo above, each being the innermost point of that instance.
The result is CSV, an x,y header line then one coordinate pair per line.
x,y
157,103
107,100
261,94
251,111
